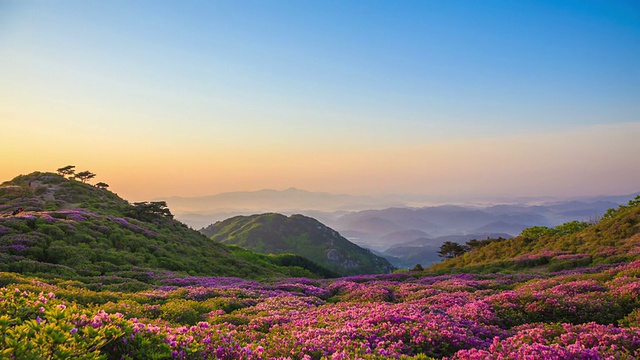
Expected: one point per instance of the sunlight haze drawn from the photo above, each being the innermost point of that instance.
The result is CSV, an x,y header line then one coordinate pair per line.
x,y
455,98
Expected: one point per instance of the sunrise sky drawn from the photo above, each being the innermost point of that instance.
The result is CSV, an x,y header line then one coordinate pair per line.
x,y
444,98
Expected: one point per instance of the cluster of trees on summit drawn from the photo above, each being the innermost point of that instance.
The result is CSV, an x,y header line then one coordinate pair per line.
x,y
83,176
145,210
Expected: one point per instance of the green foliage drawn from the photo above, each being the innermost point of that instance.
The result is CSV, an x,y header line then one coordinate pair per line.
x,y
571,227
611,213
418,267
147,211
631,320
475,244
291,260
84,176
558,264
181,311
67,170
102,185
536,232
47,331
450,250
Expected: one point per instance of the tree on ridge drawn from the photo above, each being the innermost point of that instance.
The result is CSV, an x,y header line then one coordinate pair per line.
x,y
66,171
102,185
450,249
84,176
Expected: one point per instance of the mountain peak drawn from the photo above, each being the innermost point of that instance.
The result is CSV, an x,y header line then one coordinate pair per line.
x,y
301,235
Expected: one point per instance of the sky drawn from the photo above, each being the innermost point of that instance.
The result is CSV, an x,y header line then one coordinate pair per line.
x,y
364,97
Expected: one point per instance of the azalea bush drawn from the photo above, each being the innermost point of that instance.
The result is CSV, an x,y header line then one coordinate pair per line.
x,y
581,313
37,326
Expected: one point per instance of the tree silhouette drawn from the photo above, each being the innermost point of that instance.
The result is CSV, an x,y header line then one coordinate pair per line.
x,y
66,171
450,249
149,210
84,176
102,185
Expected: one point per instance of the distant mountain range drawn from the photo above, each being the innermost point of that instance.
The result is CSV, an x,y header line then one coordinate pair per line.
x,y
300,235
424,251
399,233
389,230
275,201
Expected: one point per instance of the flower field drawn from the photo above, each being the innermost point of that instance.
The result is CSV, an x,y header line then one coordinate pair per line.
x,y
589,313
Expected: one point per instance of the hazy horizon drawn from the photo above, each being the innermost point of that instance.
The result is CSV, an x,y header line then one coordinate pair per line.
x,y
456,99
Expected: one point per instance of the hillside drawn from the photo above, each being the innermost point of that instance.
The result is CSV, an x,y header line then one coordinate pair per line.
x,y
300,235
613,239
424,251
75,230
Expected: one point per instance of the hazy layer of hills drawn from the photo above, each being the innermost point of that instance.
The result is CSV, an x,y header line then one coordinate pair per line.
x,y
404,235
300,235
200,211
75,230
408,236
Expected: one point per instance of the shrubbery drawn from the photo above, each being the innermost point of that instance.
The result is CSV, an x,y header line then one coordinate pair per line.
x,y
591,312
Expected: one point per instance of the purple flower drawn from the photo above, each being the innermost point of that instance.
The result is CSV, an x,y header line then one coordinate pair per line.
x,y
120,221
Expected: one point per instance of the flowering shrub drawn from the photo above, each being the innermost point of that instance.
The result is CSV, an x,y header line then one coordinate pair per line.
x,y
562,341
587,313
38,326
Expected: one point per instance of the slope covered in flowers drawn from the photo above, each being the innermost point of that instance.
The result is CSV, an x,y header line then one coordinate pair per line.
x,y
590,313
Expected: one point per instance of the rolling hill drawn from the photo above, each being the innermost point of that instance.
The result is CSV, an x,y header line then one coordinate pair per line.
x,y
69,229
301,235
613,239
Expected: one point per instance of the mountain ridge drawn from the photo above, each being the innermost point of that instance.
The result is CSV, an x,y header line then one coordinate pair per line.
x,y
300,235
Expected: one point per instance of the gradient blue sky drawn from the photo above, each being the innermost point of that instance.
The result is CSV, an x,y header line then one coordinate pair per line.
x,y
444,98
